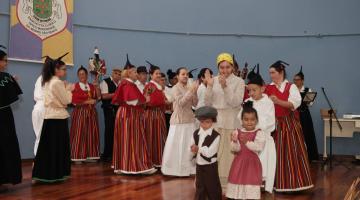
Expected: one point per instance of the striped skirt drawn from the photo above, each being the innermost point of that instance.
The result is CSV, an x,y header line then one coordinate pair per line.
x,y
155,134
130,152
84,134
292,166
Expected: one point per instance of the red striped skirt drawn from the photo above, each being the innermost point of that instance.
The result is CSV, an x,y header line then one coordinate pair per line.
x,y
155,134
84,134
130,153
292,167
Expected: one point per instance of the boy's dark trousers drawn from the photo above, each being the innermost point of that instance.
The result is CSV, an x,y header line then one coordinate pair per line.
x,y
208,182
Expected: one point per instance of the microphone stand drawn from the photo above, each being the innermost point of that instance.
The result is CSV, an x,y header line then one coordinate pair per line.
x,y
331,115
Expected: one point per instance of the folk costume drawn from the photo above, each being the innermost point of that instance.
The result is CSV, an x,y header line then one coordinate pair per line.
x,y
10,167
292,169
131,153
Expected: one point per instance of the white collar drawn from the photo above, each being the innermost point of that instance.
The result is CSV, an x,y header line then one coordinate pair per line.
x,y
139,83
207,132
302,89
131,81
264,97
84,86
243,130
158,86
284,82
282,85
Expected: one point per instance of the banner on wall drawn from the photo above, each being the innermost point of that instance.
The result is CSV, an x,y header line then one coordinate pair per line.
x,y
39,28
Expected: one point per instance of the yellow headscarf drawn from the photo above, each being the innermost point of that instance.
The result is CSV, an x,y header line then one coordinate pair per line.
x,y
224,57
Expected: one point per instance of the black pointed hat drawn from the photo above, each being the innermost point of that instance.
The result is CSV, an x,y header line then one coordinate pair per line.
x,y
235,62
279,65
152,67
300,73
59,58
82,68
170,74
251,73
256,78
191,71
128,65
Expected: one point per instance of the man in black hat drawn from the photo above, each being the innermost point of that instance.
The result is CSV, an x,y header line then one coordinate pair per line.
x,y
205,146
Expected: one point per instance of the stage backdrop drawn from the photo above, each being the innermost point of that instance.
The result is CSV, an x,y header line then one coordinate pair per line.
x,y
39,28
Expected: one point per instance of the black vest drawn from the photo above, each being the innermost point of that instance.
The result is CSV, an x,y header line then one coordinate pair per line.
x,y
207,142
111,89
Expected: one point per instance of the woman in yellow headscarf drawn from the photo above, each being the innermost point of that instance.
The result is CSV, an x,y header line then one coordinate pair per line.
x,y
225,92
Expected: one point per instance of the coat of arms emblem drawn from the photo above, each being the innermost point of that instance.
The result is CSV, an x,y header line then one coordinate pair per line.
x,y
44,18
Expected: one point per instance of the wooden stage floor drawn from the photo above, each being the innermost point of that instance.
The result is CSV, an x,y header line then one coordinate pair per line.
x,y
97,181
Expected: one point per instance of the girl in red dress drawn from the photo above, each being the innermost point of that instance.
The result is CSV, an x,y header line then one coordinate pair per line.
x,y
84,132
130,152
245,175
155,117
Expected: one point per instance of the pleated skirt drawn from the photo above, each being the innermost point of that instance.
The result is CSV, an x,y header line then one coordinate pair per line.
x,y
292,166
84,134
52,162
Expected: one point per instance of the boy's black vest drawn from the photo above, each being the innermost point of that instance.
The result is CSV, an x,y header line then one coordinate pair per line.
x,y
209,139
106,103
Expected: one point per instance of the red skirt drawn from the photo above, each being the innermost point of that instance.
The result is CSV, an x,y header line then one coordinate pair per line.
x,y
84,134
292,167
155,134
130,153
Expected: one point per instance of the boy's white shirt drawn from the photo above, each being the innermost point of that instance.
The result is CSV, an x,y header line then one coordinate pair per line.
x,y
206,151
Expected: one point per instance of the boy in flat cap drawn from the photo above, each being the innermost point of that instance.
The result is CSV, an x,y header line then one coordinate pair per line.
x,y
204,146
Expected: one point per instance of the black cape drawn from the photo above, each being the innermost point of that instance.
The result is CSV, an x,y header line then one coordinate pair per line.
x,y
9,90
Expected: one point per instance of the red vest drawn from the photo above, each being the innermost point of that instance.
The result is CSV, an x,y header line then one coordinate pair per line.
x,y
157,97
273,90
79,95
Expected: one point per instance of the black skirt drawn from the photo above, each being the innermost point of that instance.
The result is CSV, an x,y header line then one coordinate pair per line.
x,y
52,161
10,160
309,134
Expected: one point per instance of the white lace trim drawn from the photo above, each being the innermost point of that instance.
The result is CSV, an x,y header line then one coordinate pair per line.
x,y
234,191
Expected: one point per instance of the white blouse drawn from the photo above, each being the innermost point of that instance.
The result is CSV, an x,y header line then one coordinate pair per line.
x,y
201,96
294,96
168,94
39,90
84,87
140,86
266,113
227,101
